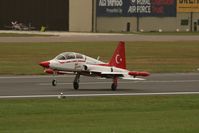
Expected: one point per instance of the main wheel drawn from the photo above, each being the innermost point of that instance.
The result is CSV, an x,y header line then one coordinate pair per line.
x,y
113,87
76,85
54,82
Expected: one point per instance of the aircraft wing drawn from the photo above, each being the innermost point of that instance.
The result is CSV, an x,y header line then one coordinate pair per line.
x,y
113,73
119,74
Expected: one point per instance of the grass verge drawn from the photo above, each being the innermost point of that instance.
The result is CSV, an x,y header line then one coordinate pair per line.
x,y
23,58
139,114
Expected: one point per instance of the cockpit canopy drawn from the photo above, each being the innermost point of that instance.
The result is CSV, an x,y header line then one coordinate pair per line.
x,y
69,56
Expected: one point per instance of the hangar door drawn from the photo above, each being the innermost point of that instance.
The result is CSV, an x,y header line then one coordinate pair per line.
x,y
53,14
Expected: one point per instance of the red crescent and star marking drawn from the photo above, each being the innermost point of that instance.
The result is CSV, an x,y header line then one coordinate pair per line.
x,y
118,59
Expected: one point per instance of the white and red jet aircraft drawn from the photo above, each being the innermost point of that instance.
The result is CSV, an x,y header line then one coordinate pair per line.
x,y
79,64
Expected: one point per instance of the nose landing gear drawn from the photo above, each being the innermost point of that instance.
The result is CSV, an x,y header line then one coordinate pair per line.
x,y
54,82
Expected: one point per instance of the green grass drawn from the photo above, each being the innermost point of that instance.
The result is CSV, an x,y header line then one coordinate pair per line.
x,y
23,58
138,114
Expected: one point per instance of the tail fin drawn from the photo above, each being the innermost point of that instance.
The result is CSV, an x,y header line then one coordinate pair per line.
x,y
119,59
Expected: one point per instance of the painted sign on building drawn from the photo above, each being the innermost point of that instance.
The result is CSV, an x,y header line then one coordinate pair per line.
x,y
127,8
187,5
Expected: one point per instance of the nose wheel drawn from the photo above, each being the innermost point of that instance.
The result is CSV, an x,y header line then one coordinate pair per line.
x,y
54,82
76,82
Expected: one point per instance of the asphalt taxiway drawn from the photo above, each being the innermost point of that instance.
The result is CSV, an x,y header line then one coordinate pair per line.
x,y
40,86
87,37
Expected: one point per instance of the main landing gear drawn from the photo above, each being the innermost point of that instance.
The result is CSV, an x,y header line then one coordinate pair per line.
x,y
76,82
114,84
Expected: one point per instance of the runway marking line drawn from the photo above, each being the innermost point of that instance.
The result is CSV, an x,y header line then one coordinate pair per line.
x,y
98,95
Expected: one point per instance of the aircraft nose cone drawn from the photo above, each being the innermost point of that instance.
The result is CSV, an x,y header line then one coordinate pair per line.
x,y
44,64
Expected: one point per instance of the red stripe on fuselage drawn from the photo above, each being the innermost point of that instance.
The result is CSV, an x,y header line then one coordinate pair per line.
x,y
103,64
63,62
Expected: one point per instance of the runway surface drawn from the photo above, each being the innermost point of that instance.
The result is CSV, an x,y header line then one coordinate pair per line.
x,y
40,86
76,37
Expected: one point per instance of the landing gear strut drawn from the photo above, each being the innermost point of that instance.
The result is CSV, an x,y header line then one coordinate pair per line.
x,y
54,81
114,84
76,82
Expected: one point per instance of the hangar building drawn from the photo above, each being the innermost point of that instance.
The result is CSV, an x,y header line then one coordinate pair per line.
x,y
147,15
103,15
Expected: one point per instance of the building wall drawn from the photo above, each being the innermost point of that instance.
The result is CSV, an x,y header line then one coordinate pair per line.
x,y
115,24
156,24
111,23
195,18
168,24
80,15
